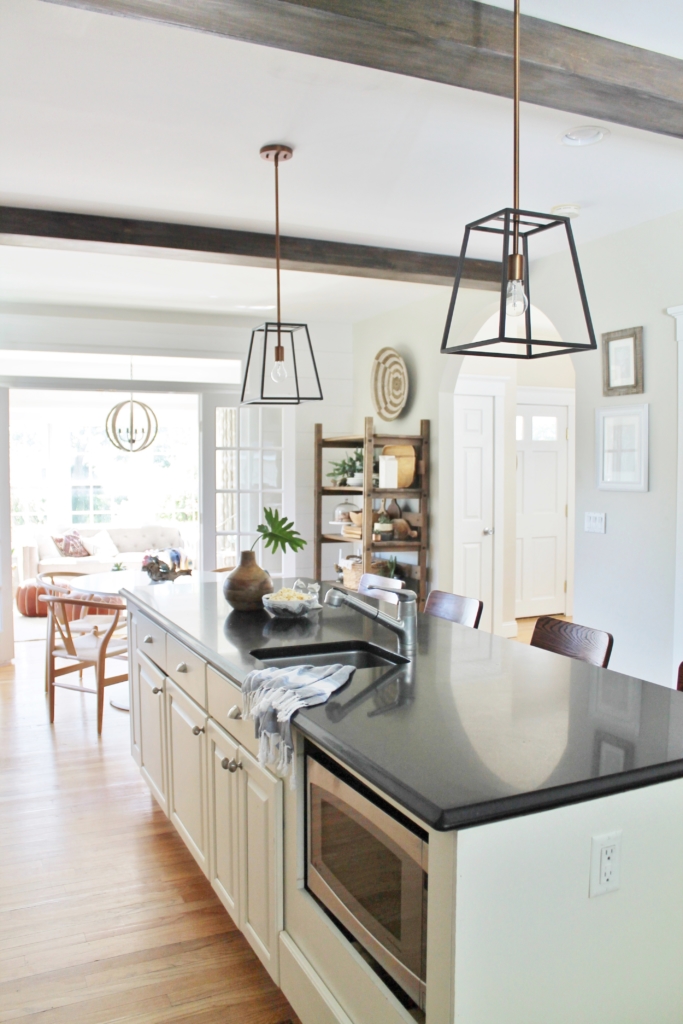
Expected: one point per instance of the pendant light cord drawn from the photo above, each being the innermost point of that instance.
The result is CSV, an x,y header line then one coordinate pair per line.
x,y
516,127
277,241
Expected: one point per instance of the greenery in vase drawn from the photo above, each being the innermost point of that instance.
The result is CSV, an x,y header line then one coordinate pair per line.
x,y
278,531
347,467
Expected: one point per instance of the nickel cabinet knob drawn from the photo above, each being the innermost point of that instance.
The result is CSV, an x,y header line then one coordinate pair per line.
x,y
156,689
231,765
234,712
148,639
181,667
197,729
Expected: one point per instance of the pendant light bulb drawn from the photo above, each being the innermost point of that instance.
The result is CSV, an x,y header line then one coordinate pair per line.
x,y
516,303
279,372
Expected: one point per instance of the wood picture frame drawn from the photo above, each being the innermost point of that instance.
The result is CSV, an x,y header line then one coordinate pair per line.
x,y
622,362
621,448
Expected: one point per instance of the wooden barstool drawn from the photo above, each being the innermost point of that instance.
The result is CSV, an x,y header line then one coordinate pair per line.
x,y
464,610
573,640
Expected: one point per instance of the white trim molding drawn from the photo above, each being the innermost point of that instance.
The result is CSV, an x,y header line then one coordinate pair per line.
x,y
677,313
6,595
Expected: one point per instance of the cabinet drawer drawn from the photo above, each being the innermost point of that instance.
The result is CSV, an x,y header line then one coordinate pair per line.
x,y
151,640
186,669
223,695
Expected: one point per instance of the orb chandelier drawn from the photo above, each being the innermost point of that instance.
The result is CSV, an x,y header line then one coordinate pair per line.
x,y
518,331
281,367
131,425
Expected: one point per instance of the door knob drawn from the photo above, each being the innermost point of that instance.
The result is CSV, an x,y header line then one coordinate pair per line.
x,y
156,689
488,532
232,765
148,639
197,729
182,667
234,712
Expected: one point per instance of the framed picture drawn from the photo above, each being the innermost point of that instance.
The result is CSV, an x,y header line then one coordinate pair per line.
x,y
622,362
621,437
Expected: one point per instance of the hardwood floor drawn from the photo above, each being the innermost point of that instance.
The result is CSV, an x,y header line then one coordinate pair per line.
x,y
525,627
104,915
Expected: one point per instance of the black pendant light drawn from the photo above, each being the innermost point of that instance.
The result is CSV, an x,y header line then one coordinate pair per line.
x,y
280,366
516,331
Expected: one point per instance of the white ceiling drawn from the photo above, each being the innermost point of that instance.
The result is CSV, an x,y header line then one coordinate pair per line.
x,y
129,117
653,24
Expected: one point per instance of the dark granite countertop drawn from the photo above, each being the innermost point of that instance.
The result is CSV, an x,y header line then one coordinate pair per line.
x,y
475,729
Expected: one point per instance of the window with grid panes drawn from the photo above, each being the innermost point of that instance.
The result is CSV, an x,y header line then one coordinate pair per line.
x,y
248,478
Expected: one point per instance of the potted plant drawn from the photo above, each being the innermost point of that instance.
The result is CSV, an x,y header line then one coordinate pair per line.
x,y
348,471
245,586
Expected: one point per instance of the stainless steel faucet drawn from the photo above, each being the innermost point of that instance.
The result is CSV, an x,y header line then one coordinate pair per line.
x,y
405,626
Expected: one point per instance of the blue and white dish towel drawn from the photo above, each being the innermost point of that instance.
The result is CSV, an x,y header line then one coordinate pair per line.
x,y
272,695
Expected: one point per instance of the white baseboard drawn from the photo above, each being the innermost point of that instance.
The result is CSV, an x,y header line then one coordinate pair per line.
x,y
509,629
310,997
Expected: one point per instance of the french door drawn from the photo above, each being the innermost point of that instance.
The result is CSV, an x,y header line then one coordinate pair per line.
x,y
246,466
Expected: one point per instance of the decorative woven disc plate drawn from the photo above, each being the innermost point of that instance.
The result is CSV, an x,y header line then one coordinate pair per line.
x,y
389,384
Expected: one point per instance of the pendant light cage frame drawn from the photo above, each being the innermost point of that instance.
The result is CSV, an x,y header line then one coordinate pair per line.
x,y
258,388
527,224
147,434
273,345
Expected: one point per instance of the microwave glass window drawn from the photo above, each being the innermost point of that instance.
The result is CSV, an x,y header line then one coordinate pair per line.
x,y
365,867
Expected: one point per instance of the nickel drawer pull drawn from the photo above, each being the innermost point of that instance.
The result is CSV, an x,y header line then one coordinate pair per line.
x,y
148,639
156,689
181,667
197,729
232,765
235,712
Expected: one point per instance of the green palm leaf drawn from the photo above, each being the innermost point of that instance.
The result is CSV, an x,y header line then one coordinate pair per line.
x,y
278,531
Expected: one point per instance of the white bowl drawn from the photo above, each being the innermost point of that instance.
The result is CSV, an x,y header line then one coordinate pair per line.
x,y
290,609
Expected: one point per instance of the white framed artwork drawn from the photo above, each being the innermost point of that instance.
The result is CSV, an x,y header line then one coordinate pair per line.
x,y
621,437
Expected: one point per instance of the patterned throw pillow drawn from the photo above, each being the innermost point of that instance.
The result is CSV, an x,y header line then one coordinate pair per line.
x,y
71,545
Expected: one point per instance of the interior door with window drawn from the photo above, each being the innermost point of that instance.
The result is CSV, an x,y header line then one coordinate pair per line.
x,y
473,501
542,450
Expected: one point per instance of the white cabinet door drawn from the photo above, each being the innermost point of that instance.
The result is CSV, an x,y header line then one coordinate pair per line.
x,y
187,771
224,787
150,687
474,502
260,860
134,688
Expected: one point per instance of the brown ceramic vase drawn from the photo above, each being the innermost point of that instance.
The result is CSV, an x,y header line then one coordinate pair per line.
x,y
244,587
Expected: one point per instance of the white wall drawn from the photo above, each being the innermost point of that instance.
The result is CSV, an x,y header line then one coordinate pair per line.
x,y
624,579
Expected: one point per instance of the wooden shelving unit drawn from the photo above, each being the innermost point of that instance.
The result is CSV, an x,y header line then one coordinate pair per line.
x,y
419,492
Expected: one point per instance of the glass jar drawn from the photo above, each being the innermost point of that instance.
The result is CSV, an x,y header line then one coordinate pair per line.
x,y
342,513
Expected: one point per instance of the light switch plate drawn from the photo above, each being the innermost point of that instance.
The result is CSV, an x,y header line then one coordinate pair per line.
x,y
595,522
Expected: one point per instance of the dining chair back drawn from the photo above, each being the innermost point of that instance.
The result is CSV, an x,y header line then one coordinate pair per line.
x,y
679,685
369,582
82,650
464,610
573,640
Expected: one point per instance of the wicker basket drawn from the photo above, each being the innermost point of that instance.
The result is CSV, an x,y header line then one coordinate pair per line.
x,y
352,570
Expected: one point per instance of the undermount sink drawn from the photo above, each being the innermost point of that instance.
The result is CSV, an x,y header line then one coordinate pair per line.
x,y
358,653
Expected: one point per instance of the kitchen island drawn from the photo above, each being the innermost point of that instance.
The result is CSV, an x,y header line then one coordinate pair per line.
x,y
511,762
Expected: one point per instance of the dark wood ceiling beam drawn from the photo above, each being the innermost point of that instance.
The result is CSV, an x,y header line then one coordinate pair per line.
x,y
251,248
457,42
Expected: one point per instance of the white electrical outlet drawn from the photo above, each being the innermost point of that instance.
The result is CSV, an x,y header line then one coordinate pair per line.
x,y
595,522
605,863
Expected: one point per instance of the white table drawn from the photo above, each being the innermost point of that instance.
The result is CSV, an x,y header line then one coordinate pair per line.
x,y
109,584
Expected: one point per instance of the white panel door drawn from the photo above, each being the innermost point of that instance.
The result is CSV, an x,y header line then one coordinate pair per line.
x,y
224,787
152,733
541,509
187,772
473,501
261,860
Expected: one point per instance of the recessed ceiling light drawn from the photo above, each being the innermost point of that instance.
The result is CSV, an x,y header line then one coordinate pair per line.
x,y
584,135
254,309
566,210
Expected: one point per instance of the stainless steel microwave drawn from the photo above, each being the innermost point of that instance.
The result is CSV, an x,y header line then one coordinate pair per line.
x,y
370,871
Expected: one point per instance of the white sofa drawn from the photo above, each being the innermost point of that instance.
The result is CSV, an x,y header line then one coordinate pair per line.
x,y
132,542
